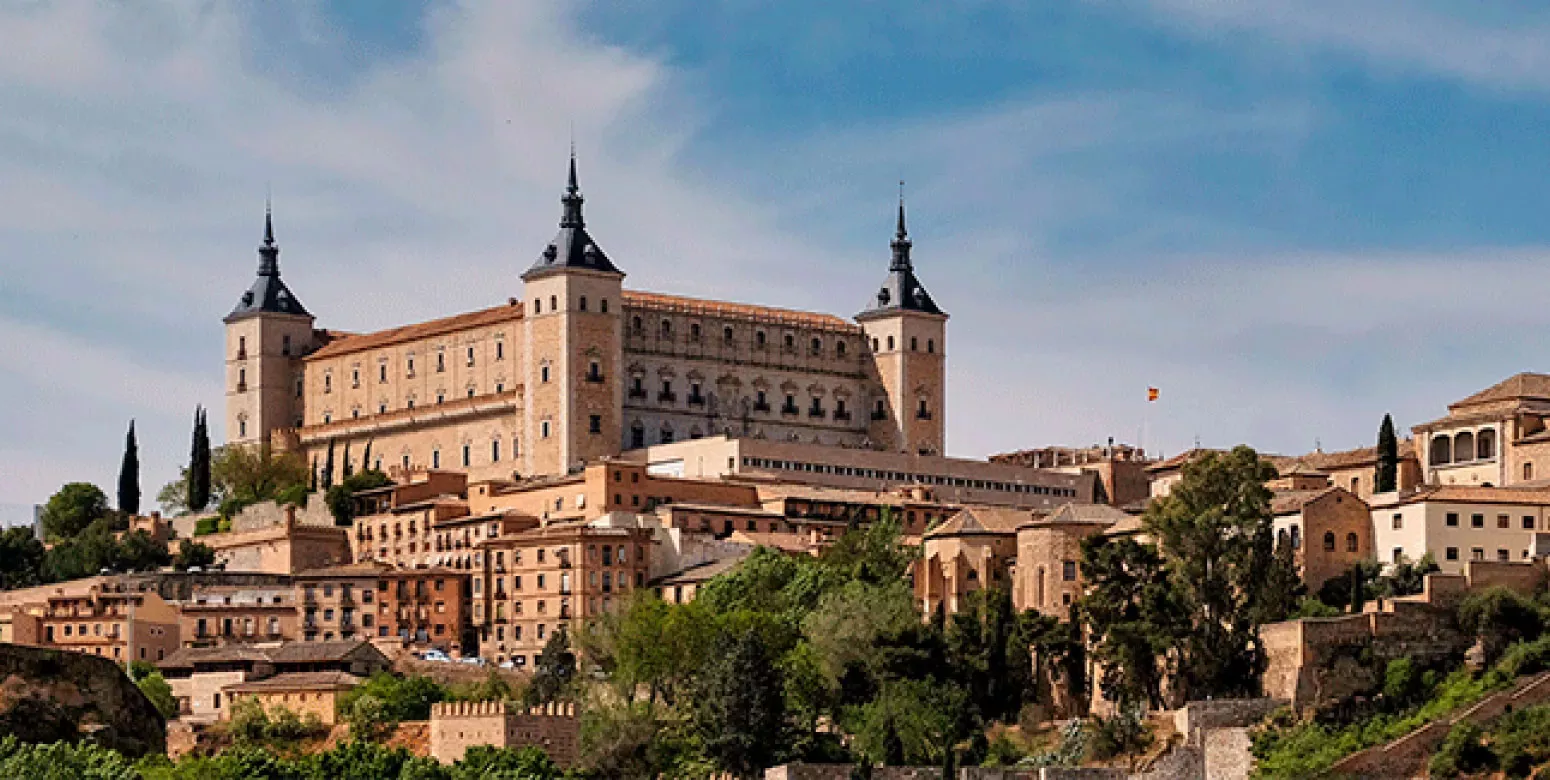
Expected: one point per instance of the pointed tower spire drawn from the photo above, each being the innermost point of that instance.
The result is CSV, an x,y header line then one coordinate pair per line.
x,y
901,239
572,199
269,251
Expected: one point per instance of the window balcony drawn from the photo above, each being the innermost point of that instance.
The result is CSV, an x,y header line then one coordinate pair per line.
x,y
696,400
841,415
790,409
594,377
922,414
815,412
879,415
667,397
637,393
761,406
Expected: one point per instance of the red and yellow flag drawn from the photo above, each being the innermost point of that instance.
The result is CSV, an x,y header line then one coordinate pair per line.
x,y
1151,394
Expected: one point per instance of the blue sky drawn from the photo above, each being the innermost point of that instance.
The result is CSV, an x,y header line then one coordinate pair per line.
x,y
1289,216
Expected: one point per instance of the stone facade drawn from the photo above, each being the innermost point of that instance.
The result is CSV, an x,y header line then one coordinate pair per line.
x,y
577,368
457,726
285,547
1049,552
413,608
1458,525
1330,529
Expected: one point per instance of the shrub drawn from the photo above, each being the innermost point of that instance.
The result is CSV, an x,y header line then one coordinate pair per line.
x,y
206,525
1499,617
1462,753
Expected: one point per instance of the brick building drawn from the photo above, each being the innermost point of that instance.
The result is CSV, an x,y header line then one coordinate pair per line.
x,y
417,609
224,614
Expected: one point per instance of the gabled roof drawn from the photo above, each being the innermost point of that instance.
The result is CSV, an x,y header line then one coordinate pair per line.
x,y
699,572
299,681
981,521
1082,514
321,652
1287,502
188,657
1524,385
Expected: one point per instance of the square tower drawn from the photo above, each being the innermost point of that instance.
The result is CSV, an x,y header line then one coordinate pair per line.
x,y
266,336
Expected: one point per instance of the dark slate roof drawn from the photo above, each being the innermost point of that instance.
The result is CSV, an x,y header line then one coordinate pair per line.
x,y
268,294
573,247
901,290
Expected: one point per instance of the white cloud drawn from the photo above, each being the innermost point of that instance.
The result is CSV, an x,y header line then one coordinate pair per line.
x,y
1512,53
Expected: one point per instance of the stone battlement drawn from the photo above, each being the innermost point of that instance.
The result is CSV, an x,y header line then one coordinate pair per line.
x,y
483,709
456,726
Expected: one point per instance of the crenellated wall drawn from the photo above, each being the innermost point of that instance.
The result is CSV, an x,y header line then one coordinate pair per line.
x,y
457,726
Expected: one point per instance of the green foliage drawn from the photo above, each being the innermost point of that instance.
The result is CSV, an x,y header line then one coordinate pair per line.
x,y
156,689
71,510
62,761
340,497
292,495
553,671
205,526
1282,591
95,548
173,496
1386,473
989,653
197,477
192,554
527,763
1215,530
1407,578
493,687
22,559
129,475
385,699
243,475
1123,734
1499,617
739,710
1310,607
1133,613
912,722
871,555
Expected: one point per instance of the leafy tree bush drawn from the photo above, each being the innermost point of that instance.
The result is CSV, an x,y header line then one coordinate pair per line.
x,y
205,526
62,761
386,699
1125,733
553,671
1462,753
340,497
71,510
1499,617
156,689
192,554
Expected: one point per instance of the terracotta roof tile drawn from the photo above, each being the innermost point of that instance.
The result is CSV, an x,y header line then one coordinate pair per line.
x,y
345,344
1083,514
298,681
737,310
317,652
979,520
700,572
1524,385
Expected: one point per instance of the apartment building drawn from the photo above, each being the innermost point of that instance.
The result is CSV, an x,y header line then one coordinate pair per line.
x,y
224,614
1457,524
415,609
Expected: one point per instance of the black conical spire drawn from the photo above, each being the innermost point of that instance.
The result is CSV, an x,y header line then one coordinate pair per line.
x,y
572,199
269,251
901,239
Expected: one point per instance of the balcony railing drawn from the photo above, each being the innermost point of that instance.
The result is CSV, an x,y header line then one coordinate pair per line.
x,y
636,392
878,414
842,415
761,406
815,412
594,377
922,414
696,400
790,409
667,397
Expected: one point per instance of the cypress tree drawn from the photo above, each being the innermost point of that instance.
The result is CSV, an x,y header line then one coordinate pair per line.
x,y
1386,479
347,470
366,457
328,466
129,475
199,464
314,486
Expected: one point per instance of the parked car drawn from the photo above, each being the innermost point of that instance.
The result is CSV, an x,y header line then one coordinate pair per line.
x,y
435,655
508,664
472,660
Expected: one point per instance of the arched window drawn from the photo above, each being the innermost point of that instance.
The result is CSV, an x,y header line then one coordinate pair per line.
x,y
817,346
1351,542
1442,451
1485,443
666,434
582,304
1463,447
637,435
1329,541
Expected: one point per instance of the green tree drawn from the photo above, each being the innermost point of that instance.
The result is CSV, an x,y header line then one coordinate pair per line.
x,y
1407,578
129,475
76,506
989,654
62,761
328,466
21,559
156,689
402,698
1499,617
553,671
173,496
1134,616
739,710
138,551
483,762
341,497
192,554
198,474
245,474
1122,734
1282,590
1386,475
874,554
1214,527
913,722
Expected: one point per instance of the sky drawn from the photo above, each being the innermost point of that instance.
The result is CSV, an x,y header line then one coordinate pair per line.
x,y
1289,216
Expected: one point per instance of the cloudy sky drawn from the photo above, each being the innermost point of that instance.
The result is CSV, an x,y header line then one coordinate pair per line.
x,y
1290,216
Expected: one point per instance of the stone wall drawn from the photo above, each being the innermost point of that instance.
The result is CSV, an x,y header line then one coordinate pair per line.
x,y
269,514
52,695
843,772
1315,660
1224,713
457,726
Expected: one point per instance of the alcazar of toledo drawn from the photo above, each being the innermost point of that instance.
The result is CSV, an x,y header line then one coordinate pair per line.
x,y
579,368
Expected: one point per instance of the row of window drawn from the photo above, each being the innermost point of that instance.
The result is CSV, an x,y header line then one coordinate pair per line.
x,y
1463,447
914,345
907,477
1475,554
1503,521
815,346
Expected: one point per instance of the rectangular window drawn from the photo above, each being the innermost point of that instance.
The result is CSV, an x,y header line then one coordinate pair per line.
x,y
1399,554
1528,522
595,423
1068,571
1452,553
1399,521
1503,521
467,455
1503,556
1476,553
1477,521
1453,519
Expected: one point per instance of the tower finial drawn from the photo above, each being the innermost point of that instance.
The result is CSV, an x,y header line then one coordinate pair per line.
x,y
269,251
901,239
572,199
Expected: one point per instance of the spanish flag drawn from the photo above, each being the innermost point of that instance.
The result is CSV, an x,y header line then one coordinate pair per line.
x,y
1151,394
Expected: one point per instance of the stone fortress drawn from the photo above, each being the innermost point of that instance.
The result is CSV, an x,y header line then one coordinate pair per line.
x,y
579,368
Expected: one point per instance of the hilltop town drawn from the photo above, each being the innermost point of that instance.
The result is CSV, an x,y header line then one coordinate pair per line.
x,y
615,533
